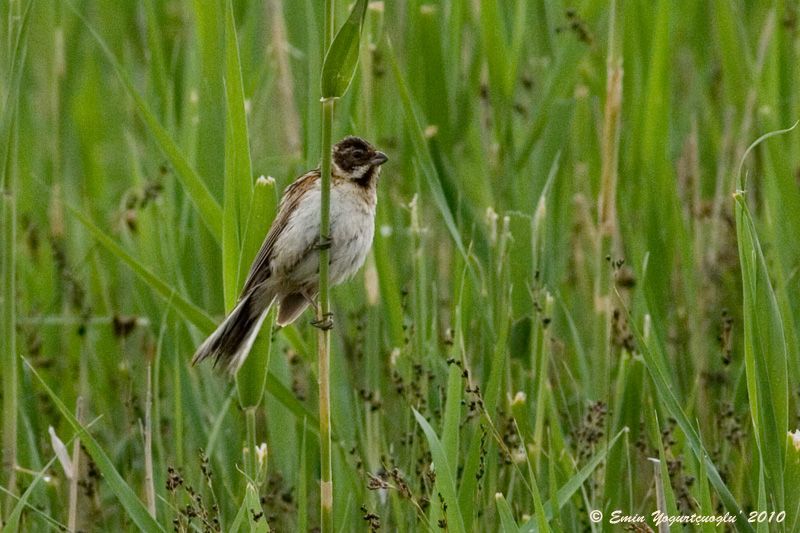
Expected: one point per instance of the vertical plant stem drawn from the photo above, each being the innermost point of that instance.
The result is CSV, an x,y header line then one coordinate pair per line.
x,y
324,335
323,309
177,395
607,224
76,472
149,486
8,334
251,461
329,14
8,238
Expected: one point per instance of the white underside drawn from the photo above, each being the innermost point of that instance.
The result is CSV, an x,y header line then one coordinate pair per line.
x,y
352,230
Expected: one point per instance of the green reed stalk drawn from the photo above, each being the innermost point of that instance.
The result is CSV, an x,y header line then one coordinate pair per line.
x,y
251,462
323,310
324,335
8,266
338,69
8,333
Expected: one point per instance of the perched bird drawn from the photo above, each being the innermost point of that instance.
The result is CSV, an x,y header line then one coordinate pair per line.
x,y
286,269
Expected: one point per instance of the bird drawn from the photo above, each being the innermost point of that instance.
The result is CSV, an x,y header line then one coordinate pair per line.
x,y
286,269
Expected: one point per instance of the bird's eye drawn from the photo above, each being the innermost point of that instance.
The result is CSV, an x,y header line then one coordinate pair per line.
x,y
358,153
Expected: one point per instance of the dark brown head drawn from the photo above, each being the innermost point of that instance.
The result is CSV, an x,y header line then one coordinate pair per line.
x,y
356,159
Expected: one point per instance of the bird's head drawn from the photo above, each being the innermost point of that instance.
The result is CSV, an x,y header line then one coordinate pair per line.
x,y
356,159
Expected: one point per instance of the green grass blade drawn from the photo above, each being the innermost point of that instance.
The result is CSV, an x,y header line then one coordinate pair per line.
x,y
665,496
507,522
207,136
251,378
264,204
424,157
452,415
341,60
469,484
765,352
12,90
11,524
288,399
572,485
238,167
742,175
706,506
445,479
655,367
9,167
208,208
496,48
135,509
188,310
158,67
792,474
251,506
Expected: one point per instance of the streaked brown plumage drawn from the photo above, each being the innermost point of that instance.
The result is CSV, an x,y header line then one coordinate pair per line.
x,y
286,267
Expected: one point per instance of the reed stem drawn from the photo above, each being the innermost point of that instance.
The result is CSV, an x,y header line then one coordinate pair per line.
x,y
324,335
251,461
8,335
323,309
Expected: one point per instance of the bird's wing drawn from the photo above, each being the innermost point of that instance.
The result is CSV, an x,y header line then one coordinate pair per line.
x,y
260,269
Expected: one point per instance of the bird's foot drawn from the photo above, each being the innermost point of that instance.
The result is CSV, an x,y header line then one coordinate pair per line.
x,y
324,243
324,323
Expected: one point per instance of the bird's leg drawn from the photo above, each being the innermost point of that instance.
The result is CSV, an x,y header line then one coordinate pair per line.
x,y
326,322
310,299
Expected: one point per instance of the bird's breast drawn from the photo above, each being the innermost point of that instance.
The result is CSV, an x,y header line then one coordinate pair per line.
x,y
352,230
352,216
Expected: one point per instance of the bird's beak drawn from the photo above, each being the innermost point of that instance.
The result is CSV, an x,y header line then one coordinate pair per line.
x,y
379,158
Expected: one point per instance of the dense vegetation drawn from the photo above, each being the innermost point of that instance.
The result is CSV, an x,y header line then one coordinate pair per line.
x,y
571,273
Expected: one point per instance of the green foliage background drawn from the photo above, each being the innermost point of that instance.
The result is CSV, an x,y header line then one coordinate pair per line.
x,y
563,283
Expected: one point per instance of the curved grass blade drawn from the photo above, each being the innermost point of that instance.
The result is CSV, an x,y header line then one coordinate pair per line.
x,y
753,145
765,352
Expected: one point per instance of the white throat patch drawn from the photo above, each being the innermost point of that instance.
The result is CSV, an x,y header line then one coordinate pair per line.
x,y
359,172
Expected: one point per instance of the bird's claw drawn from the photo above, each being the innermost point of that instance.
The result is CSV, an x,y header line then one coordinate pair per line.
x,y
324,323
324,243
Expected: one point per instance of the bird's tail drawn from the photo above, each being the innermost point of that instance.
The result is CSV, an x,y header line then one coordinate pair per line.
x,y
230,344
